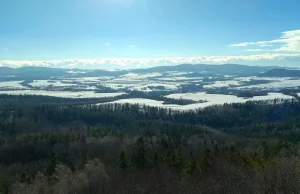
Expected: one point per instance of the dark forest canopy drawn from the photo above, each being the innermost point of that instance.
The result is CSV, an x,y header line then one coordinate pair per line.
x,y
72,148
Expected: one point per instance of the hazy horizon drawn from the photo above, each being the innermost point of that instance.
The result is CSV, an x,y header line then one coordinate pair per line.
x,y
121,68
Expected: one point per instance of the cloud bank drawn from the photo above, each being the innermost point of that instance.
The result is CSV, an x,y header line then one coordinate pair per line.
x,y
283,51
288,59
289,41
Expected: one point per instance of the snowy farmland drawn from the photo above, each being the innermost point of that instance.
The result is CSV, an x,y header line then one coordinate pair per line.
x,y
212,99
221,98
219,84
11,85
171,81
47,83
173,85
275,85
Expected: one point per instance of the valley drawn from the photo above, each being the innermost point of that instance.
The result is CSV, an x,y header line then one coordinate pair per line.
x,y
182,87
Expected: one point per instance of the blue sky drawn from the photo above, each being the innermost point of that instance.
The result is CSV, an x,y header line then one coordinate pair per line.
x,y
144,33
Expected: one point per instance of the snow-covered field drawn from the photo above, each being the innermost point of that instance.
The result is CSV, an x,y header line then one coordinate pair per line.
x,y
62,94
221,98
247,79
274,85
47,83
213,99
180,78
167,86
11,85
176,73
271,96
88,80
219,84
154,103
172,82
142,86
142,76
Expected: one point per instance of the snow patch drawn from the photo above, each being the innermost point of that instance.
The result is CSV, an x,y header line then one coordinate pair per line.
x,y
11,85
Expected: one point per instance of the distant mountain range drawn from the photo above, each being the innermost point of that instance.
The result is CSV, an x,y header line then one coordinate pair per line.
x,y
198,69
226,69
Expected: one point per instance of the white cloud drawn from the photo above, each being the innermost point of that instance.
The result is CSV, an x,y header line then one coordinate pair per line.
x,y
291,59
107,44
242,44
289,41
265,45
132,46
253,50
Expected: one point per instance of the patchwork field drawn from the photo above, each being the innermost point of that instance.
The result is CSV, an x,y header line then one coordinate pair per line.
x,y
154,88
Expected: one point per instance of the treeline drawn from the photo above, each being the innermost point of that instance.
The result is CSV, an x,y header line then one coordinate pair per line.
x,y
232,118
122,148
6,98
133,94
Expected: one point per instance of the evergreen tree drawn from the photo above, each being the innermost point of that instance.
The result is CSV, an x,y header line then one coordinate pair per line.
x,y
51,164
83,161
216,149
122,160
139,154
171,160
180,160
72,167
25,178
155,159
190,164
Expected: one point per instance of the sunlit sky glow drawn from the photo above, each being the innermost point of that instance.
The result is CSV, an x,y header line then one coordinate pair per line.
x,y
146,33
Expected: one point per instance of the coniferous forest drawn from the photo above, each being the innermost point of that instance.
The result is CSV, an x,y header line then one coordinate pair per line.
x,y
59,147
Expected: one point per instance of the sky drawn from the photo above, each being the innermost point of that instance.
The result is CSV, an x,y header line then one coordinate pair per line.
x,y
125,34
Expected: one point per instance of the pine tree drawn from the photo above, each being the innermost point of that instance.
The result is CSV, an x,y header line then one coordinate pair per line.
x,y
205,160
171,160
190,165
25,178
155,159
51,164
265,151
83,161
72,167
139,154
216,149
180,160
122,160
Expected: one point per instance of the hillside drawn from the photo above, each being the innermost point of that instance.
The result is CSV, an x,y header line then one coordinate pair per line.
x,y
280,72
225,69
49,148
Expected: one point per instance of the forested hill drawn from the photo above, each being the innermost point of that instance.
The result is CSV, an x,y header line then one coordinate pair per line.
x,y
115,148
225,69
31,72
279,72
